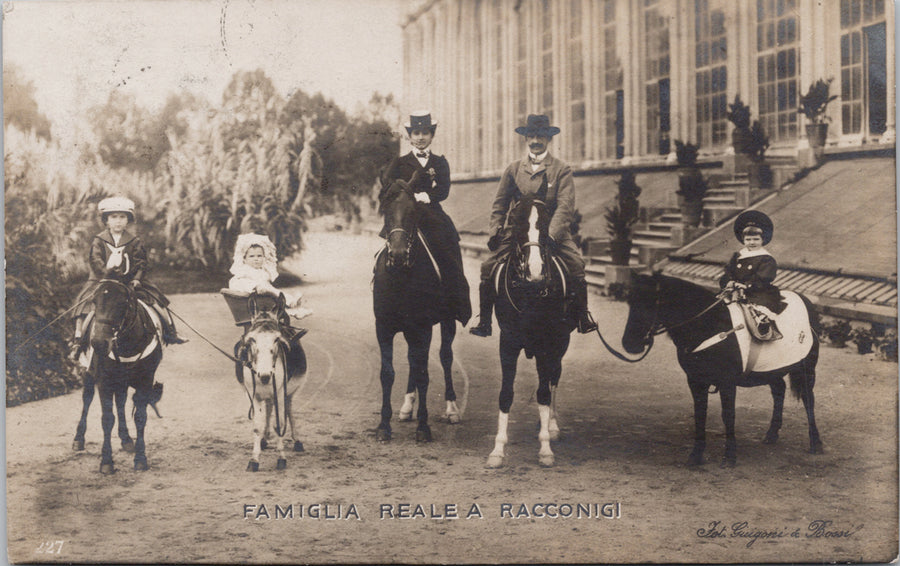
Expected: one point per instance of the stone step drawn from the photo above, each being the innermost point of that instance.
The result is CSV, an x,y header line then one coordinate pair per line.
x,y
734,183
721,192
670,218
723,199
652,235
663,226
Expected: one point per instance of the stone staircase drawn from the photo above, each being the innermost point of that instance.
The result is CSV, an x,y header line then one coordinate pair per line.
x,y
662,232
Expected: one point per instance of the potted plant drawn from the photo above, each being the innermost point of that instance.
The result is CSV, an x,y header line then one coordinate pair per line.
x,y
738,114
813,105
692,186
864,338
758,171
621,216
837,333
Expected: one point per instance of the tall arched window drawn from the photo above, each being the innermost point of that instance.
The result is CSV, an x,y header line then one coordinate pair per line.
x,y
778,64
710,54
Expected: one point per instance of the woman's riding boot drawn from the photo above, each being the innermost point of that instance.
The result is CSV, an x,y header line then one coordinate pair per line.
x,y
586,322
486,298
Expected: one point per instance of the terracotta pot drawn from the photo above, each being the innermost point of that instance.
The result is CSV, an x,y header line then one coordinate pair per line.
x,y
691,212
759,175
817,134
620,251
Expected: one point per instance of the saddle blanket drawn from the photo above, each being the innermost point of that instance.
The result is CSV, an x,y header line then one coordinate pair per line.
x,y
756,356
87,354
795,344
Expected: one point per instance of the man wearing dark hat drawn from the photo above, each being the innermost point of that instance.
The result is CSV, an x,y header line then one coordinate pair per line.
x,y
428,176
751,270
523,177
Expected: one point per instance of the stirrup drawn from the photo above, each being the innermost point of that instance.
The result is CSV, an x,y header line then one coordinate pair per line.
x,y
586,323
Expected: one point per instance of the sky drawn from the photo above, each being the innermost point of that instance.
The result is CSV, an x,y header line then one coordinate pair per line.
x,y
77,51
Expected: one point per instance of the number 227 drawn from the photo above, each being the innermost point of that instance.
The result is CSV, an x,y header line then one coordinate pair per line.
x,y
50,547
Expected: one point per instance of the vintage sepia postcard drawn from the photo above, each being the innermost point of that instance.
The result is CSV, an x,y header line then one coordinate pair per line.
x,y
450,281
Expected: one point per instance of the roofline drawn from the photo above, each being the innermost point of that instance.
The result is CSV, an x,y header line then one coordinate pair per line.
x,y
413,16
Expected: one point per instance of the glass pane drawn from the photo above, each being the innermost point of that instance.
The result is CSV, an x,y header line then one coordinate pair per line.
x,y
845,50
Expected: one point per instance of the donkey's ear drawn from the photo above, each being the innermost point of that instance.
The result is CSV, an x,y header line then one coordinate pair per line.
x,y
280,302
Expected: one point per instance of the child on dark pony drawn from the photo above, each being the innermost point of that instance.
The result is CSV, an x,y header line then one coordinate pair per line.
x,y
120,255
750,272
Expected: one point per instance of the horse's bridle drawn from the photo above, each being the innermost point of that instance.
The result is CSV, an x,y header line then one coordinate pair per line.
x,y
656,328
408,245
127,321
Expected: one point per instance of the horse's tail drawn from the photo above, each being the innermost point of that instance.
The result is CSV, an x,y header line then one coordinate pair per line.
x,y
803,375
815,320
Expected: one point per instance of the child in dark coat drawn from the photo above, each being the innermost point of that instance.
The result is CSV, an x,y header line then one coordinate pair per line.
x,y
118,254
750,272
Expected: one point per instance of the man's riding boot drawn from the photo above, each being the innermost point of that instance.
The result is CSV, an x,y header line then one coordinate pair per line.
x,y
586,322
486,298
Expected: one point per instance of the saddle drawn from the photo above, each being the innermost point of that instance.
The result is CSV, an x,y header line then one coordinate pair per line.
x,y
796,336
760,324
759,320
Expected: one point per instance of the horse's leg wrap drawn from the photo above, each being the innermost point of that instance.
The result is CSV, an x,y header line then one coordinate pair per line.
x,y
545,456
495,458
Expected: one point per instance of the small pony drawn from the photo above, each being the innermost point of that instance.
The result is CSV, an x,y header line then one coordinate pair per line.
x,y
125,351
277,368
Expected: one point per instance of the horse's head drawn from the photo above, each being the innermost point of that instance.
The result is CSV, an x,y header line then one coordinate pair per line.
x,y
644,297
112,302
400,217
264,343
529,221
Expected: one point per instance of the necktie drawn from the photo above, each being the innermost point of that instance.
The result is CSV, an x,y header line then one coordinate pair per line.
x,y
422,155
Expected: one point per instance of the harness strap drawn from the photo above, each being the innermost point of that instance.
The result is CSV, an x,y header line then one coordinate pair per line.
x,y
713,340
430,256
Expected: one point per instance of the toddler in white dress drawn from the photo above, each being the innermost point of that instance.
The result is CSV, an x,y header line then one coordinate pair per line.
x,y
254,268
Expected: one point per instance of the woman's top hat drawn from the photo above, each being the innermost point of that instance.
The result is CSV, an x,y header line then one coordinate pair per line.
x,y
420,120
538,125
755,219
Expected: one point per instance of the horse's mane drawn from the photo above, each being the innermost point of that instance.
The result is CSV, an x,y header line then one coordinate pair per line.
x,y
687,289
391,193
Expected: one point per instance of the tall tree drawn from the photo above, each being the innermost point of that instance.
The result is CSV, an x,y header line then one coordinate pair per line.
x,y
19,105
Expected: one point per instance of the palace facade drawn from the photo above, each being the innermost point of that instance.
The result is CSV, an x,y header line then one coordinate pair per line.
x,y
625,78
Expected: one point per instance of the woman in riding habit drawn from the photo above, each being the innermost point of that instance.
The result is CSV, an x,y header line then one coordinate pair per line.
x,y
428,177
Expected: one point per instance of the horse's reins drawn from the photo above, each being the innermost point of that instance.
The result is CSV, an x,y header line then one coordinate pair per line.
x,y
51,323
655,329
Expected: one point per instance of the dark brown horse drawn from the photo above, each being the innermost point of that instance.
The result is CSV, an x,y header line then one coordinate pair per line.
x,y
125,352
658,303
534,316
407,298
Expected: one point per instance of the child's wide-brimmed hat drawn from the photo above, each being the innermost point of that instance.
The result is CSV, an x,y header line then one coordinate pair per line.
x,y
538,125
420,120
116,204
756,219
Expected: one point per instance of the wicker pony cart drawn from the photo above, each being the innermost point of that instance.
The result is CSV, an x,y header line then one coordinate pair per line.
x,y
238,304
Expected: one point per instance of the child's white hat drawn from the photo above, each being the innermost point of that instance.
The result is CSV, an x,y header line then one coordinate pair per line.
x,y
116,204
247,241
